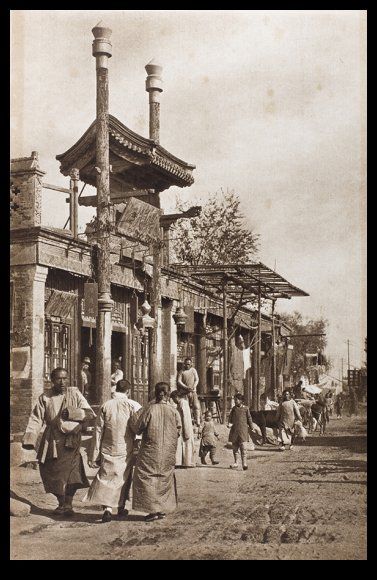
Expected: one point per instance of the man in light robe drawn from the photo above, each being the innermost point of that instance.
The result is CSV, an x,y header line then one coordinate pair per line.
x,y
117,375
111,449
62,411
154,487
187,382
185,456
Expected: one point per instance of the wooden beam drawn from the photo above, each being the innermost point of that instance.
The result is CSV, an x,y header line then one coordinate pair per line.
x,y
56,188
91,200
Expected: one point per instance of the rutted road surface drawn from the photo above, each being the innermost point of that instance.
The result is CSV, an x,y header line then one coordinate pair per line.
x,y
308,503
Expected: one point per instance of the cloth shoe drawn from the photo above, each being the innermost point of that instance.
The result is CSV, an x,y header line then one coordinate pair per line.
x,y
151,517
122,512
214,462
107,517
234,466
244,467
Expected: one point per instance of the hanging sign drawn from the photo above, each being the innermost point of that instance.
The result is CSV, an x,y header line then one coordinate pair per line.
x,y
140,220
90,299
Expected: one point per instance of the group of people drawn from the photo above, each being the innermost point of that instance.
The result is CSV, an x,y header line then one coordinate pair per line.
x,y
133,447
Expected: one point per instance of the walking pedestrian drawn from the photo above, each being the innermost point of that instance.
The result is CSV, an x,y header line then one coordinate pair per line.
x,y
62,411
239,423
111,450
339,404
187,382
287,413
209,436
154,487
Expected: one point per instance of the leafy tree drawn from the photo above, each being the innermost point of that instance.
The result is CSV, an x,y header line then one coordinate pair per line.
x,y
217,236
303,345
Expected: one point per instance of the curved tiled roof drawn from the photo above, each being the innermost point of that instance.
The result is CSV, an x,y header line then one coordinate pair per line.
x,y
123,141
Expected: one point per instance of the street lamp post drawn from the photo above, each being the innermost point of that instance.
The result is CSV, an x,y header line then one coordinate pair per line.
x,y
102,52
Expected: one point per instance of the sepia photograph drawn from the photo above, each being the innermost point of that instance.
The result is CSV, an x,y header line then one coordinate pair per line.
x,y
188,334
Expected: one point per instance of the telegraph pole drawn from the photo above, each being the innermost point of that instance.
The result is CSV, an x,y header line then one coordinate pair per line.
x,y
102,52
348,354
225,350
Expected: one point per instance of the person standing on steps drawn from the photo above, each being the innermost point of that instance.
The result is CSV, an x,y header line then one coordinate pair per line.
x,y
187,382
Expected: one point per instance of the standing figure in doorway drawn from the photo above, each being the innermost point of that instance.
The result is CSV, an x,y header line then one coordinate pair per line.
x,y
85,377
61,466
187,382
117,375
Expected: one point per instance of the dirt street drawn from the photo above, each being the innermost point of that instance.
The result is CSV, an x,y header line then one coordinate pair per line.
x,y
307,503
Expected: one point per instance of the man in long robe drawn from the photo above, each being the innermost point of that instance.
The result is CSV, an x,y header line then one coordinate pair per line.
x,y
62,411
185,456
287,413
154,488
111,449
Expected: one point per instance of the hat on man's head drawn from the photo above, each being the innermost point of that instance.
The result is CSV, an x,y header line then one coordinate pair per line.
x,y
86,359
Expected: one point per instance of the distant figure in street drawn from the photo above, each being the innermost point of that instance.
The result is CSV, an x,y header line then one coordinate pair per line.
x,y
186,442
187,382
329,404
62,411
239,422
298,390
287,413
339,404
111,449
353,402
209,436
85,377
319,414
117,375
154,486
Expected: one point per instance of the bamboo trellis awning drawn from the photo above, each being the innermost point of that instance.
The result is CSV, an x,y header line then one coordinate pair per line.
x,y
243,280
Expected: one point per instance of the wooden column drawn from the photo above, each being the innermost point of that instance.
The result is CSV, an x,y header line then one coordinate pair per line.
x,y
254,393
225,352
102,52
259,347
273,352
73,201
202,362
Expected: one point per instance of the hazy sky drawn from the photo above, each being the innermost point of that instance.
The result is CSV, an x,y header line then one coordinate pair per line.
x,y
268,103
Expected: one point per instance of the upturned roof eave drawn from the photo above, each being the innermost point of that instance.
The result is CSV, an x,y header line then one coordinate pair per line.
x,y
144,146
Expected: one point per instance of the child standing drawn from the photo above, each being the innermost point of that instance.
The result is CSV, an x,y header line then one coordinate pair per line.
x,y
209,436
240,421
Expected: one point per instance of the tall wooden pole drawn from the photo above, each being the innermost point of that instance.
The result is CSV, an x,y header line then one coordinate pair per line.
x,y
153,86
73,201
102,52
254,391
273,353
225,352
259,349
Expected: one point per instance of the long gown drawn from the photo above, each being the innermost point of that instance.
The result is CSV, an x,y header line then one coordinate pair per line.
x,y
185,455
154,488
60,461
112,447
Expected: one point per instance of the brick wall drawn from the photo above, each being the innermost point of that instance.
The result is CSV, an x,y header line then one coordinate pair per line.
x,y
26,187
27,346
